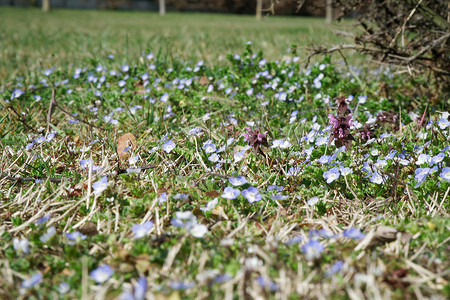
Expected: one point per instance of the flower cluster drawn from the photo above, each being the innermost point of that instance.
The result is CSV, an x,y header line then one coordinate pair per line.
x,y
340,125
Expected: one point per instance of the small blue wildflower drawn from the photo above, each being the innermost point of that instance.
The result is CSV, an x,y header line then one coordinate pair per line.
x,y
42,220
180,196
376,178
73,121
222,278
275,187
214,158
346,171
210,205
445,174
417,149
21,246
331,175
75,237
324,159
312,250
238,156
354,233
421,175
100,185
437,158
252,194
423,159
63,288
266,283
125,68
168,146
312,201
165,98
198,230
141,230
295,240
237,181
336,267
32,281
443,123
102,273
209,147
162,198
325,233
51,231
230,193
180,285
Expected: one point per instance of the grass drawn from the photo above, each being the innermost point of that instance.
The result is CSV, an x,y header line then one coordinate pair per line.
x,y
31,39
81,219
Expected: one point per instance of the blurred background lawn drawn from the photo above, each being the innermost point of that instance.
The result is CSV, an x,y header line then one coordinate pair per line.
x,y
31,40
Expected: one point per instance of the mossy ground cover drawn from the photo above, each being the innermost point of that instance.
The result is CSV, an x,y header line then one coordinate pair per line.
x,y
249,176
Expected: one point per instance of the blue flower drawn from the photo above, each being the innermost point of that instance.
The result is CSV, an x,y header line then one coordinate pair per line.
x,y
324,159
100,185
445,174
252,194
437,158
168,146
331,175
266,283
162,198
421,175
21,246
179,285
102,273
336,267
141,230
198,230
75,237
237,181
354,233
32,281
376,178
230,193
327,234
51,231
346,171
209,146
312,201
63,288
180,196
210,205
312,250
295,240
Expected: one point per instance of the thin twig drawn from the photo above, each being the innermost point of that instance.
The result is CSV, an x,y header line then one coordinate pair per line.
x,y
50,110
23,179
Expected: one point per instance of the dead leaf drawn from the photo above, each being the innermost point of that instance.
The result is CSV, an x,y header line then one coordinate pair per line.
x,y
204,80
89,229
387,234
212,194
126,145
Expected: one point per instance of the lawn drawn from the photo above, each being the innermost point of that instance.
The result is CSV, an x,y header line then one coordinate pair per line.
x,y
197,156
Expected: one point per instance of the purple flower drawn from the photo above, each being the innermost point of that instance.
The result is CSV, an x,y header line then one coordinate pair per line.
x,y
141,230
354,233
230,193
331,175
255,138
324,159
32,281
102,273
139,291
312,250
252,194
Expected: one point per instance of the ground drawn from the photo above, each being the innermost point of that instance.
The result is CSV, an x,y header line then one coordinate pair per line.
x,y
204,156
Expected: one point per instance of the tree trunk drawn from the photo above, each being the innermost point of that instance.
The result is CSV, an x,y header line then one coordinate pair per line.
x,y
258,9
329,12
162,7
45,5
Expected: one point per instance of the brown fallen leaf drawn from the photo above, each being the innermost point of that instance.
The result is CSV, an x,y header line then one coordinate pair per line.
x,y
89,229
387,234
126,144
